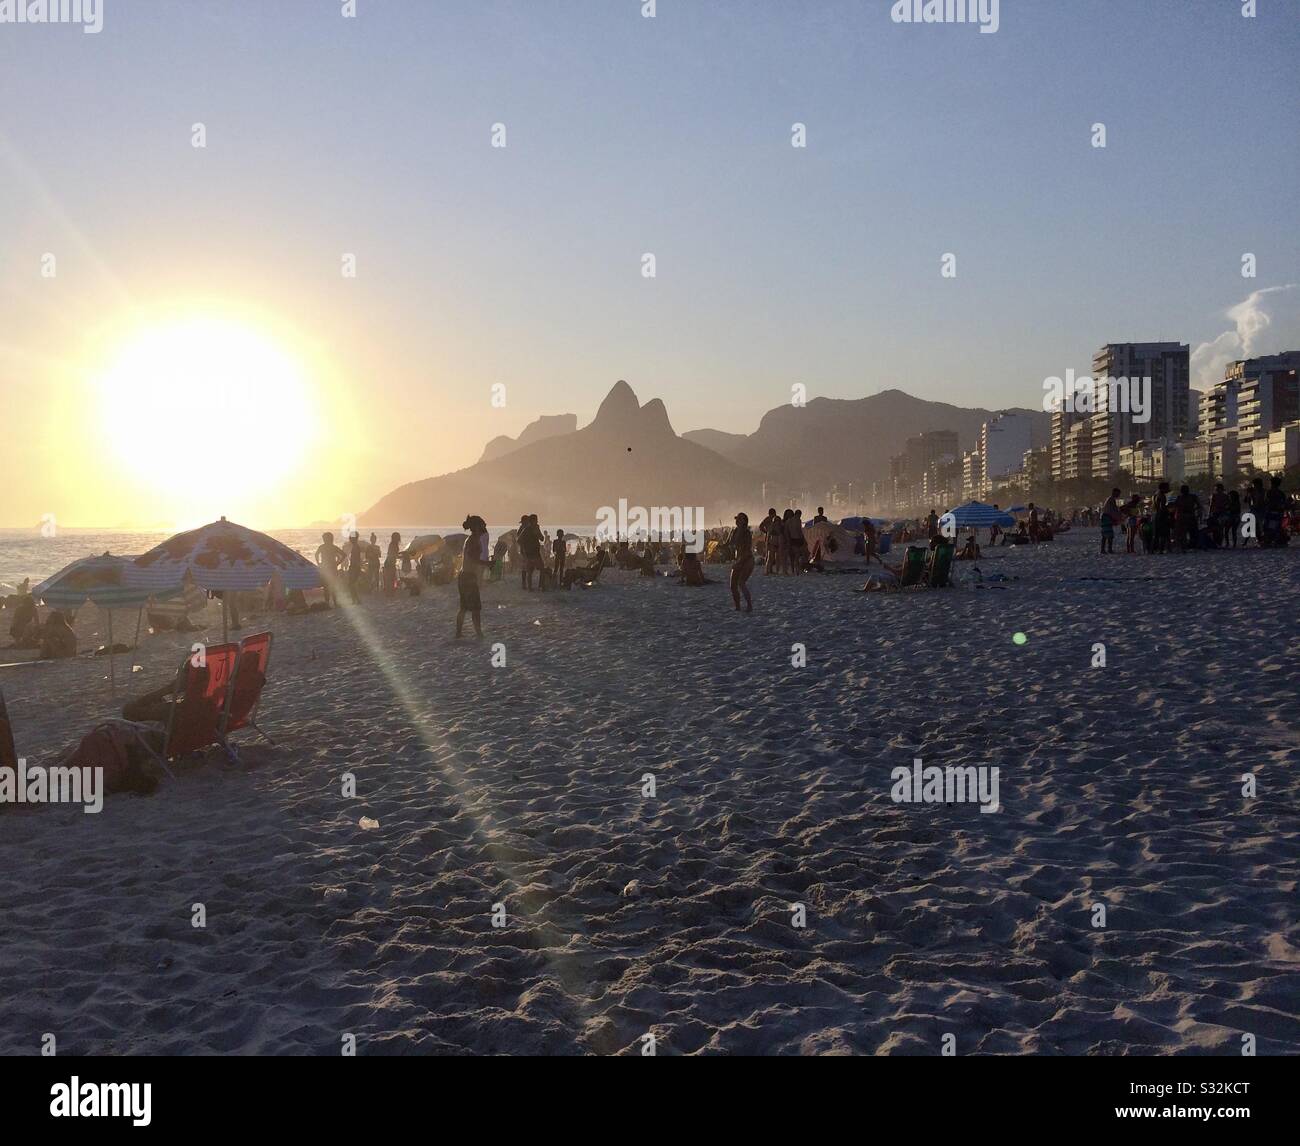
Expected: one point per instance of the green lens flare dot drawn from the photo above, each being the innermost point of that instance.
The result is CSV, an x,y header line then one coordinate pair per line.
x,y
1020,638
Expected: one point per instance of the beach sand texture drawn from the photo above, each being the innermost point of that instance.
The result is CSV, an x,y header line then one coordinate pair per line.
x,y
672,915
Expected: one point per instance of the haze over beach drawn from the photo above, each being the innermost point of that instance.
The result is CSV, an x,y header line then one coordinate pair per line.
x,y
641,528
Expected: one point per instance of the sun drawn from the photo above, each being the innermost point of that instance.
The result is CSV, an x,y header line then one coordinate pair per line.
x,y
206,411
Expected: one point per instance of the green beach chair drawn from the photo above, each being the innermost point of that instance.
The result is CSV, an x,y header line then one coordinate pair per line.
x,y
913,566
938,572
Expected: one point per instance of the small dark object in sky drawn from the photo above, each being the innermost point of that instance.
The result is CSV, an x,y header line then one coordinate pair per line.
x,y
629,449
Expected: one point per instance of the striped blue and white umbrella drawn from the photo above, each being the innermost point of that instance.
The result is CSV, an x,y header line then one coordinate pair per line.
x,y
109,581
226,557
980,516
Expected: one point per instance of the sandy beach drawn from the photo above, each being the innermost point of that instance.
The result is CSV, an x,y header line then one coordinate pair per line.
x,y
673,915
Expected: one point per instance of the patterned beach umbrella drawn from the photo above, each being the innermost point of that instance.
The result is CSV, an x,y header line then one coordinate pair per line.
x,y
980,516
108,581
224,556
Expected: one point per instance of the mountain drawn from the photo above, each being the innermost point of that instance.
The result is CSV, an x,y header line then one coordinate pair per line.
x,y
719,441
547,426
836,439
628,451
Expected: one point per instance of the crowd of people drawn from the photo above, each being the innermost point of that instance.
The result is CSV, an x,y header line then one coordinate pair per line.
x,y
1167,522
1162,522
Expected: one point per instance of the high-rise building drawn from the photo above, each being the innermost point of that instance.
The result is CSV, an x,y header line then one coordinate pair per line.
x,y
1062,420
1267,399
1169,416
1003,442
1076,453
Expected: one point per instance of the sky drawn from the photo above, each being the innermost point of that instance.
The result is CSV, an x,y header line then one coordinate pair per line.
x,y
198,349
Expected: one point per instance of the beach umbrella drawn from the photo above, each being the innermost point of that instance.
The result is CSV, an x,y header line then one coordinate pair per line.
x,y
109,582
223,557
977,515
425,543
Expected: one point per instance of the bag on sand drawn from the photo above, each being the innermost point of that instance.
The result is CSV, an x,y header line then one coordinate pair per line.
x,y
116,747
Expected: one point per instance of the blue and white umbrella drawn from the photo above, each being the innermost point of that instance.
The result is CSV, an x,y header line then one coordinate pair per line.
x,y
977,515
223,557
109,581
226,557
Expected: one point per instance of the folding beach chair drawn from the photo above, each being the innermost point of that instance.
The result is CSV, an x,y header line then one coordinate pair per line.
x,y
585,574
938,569
913,566
195,722
246,684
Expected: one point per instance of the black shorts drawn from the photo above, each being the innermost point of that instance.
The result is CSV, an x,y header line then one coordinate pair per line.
x,y
467,584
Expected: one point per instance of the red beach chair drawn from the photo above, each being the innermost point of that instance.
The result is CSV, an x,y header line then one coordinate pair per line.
x,y
246,685
196,722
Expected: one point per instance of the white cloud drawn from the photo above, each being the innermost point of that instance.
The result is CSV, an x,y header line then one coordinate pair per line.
x,y
1251,320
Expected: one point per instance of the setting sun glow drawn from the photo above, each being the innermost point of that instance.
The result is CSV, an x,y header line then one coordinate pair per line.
x,y
203,411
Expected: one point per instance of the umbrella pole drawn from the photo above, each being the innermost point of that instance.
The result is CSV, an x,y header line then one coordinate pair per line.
x,y
138,618
112,678
223,618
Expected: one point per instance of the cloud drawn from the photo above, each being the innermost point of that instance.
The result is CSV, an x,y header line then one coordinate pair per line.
x,y
1251,320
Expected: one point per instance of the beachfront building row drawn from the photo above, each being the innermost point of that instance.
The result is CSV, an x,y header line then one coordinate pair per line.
x,y
1247,419
1087,443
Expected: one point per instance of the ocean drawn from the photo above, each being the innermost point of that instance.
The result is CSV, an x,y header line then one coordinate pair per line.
x,y
27,553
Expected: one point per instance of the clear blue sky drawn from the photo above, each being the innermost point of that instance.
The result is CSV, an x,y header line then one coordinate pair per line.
x,y
669,135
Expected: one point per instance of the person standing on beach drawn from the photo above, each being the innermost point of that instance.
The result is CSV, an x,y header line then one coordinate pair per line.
x,y
1218,511
868,539
769,527
932,524
473,560
390,562
529,540
328,558
793,541
1131,523
742,544
1110,515
1160,519
355,562
1232,519
560,548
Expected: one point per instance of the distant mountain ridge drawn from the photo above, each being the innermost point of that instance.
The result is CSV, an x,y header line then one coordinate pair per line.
x,y
547,426
847,439
627,451
631,451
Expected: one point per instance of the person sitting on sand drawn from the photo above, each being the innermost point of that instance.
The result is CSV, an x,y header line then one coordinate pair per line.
x,y
970,551
692,570
58,641
741,542
467,584
887,577
155,706
26,626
